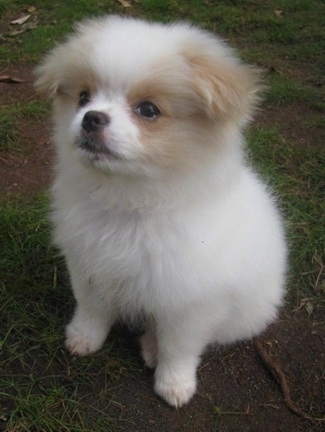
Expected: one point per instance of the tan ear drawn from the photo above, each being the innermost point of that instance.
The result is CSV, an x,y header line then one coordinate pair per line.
x,y
52,70
227,88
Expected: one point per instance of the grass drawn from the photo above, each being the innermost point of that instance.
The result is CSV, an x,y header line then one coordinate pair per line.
x,y
38,377
11,118
297,174
55,20
42,388
284,90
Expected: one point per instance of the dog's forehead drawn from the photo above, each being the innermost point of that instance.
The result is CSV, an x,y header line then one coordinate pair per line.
x,y
132,37
125,52
123,56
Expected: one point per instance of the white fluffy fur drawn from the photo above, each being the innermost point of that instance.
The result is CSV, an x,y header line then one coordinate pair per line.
x,y
178,229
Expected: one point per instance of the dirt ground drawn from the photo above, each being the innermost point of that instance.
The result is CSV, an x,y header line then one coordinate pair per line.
x,y
27,170
237,392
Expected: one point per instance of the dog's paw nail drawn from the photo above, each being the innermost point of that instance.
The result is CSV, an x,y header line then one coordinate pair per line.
x,y
175,393
79,344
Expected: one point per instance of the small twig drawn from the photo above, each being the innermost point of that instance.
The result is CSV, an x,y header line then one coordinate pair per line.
x,y
270,405
10,79
235,413
221,413
319,275
274,368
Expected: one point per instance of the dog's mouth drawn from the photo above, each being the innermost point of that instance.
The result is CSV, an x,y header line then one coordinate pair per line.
x,y
94,149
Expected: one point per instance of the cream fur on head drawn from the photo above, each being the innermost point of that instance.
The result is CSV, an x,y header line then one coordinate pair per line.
x,y
154,206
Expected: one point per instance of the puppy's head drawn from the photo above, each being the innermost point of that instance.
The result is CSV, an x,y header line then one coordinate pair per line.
x,y
136,96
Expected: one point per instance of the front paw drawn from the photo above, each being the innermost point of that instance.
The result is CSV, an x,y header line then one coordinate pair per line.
x,y
80,343
175,389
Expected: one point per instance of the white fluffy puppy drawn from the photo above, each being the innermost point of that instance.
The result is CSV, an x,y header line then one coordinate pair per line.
x,y
154,207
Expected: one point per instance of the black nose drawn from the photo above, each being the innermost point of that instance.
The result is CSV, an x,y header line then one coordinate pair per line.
x,y
94,120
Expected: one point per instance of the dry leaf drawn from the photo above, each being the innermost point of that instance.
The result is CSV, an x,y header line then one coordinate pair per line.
x,y
9,79
302,304
24,28
31,9
309,307
30,25
15,32
21,20
125,3
278,13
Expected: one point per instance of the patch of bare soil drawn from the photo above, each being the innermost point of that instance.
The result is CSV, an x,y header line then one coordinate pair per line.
x,y
27,168
294,121
236,392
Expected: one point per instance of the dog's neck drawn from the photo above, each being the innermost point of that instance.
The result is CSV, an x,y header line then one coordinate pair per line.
x,y
172,190
210,178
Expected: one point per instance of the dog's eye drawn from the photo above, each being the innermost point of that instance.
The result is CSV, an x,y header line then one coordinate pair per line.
x,y
84,98
148,110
